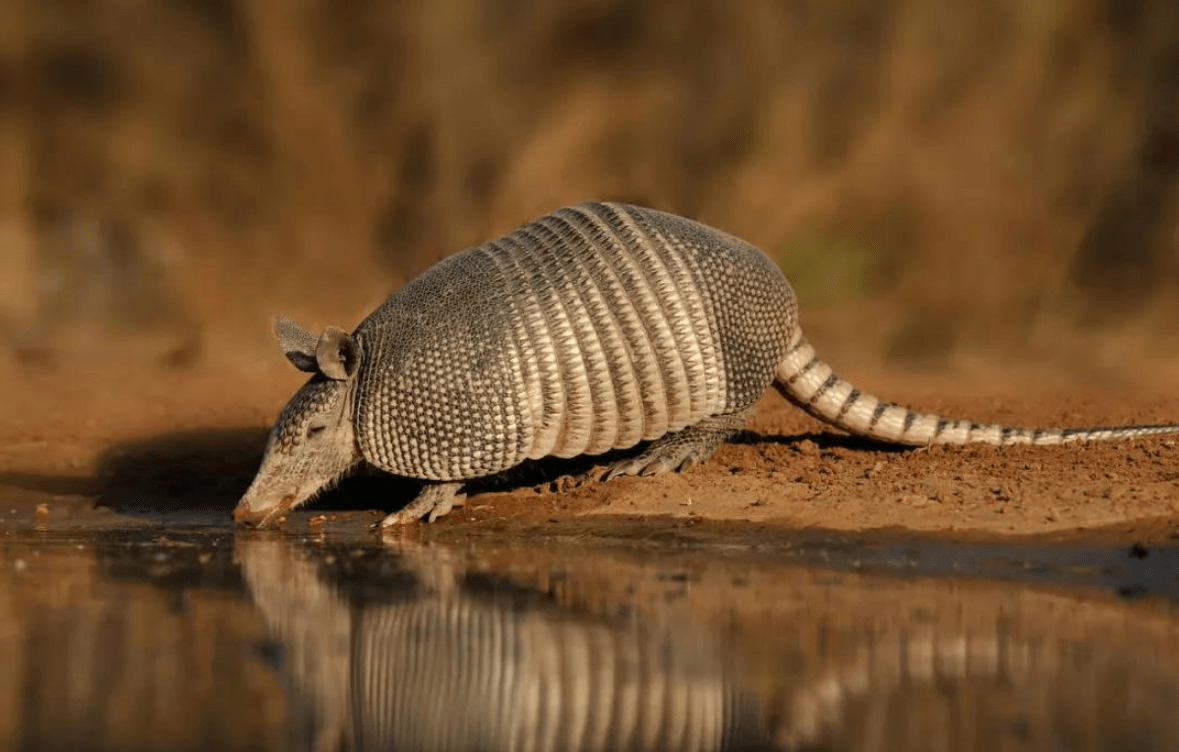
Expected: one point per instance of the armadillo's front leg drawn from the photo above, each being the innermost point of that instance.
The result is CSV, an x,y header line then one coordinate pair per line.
x,y
435,500
682,449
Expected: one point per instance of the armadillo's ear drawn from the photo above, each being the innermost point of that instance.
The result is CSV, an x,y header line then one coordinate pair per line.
x,y
337,354
297,344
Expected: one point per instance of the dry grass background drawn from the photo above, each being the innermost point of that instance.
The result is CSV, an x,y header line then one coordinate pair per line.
x,y
937,177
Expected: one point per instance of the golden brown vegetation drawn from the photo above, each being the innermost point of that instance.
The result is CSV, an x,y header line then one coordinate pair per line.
x,y
957,173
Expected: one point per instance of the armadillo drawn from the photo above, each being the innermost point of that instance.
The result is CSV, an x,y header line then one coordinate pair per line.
x,y
596,327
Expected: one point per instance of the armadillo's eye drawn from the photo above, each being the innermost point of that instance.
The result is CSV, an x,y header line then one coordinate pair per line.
x,y
314,430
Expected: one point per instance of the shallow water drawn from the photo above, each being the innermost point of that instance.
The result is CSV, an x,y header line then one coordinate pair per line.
x,y
201,637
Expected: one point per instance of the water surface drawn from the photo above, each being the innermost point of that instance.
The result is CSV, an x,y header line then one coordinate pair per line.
x,y
201,637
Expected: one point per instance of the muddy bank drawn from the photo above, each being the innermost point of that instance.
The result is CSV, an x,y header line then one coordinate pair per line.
x,y
187,441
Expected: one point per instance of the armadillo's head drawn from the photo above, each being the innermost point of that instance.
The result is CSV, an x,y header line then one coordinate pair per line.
x,y
312,443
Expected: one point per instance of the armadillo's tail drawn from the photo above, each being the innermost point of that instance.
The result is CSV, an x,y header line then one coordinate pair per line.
x,y
811,384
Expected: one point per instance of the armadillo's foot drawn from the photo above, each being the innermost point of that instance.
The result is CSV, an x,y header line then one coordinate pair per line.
x,y
682,449
435,500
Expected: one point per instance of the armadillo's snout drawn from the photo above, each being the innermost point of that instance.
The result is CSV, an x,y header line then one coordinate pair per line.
x,y
243,515
251,511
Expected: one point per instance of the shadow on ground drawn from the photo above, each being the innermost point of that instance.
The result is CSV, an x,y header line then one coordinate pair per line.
x,y
209,470
205,470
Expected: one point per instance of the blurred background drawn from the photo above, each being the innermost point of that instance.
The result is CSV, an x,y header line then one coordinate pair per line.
x,y
936,177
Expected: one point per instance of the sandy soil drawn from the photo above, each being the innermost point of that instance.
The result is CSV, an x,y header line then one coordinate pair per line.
x,y
166,441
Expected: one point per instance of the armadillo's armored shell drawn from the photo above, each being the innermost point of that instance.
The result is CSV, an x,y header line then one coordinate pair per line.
x,y
592,328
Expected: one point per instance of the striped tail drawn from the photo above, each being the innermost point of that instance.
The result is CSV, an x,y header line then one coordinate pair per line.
x,y
811,384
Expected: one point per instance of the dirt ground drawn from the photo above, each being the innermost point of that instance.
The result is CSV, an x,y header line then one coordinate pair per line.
x,y
162,441
910,165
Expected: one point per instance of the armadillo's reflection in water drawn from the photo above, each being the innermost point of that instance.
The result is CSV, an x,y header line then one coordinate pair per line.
x,y
425,648
432,657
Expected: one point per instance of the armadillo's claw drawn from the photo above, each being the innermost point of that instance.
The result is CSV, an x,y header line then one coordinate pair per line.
x,y
620,468
680,450
692,459
434,501
654,468
643,465
444,508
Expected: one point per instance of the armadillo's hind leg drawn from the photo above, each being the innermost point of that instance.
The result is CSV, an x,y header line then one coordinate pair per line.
x,y
434,501
682,449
